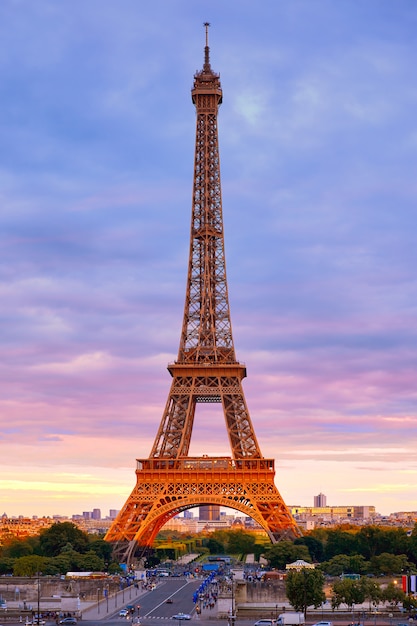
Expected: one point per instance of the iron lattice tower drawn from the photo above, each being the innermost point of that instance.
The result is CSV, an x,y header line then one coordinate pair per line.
x,y
206,370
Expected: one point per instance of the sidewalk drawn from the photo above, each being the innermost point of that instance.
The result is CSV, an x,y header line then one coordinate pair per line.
x,y
109,606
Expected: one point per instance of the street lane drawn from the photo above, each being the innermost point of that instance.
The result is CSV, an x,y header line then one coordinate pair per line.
x,y
179,590
154,605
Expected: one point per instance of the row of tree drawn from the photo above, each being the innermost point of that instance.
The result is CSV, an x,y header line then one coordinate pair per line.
x,y
305,588
364,550
347,549
56,550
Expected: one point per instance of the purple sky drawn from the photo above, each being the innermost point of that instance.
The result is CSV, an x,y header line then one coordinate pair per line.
x,y
318,144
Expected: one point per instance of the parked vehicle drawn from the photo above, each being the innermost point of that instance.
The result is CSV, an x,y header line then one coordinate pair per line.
x,y
290,619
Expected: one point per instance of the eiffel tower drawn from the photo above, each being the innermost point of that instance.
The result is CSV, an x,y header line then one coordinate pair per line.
x,y
206,370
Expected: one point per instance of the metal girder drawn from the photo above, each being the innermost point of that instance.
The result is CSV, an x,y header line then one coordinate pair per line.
x,y
165,487
206,370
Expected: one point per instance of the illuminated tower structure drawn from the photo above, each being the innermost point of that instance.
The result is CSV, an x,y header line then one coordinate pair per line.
x,y
169,481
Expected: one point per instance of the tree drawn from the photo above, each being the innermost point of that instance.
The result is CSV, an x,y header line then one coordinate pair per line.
x,y
6,566
52,540
314,545
102,548
90,562
340,542
64,562
372,591
347,591
344,564
285,552
412,549
215,546
241,542
337,565
386,563
372,540
19,548
29,565
410,603
393,594
304,588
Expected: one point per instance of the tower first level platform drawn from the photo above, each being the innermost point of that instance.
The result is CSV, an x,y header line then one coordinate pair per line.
x,y
166,487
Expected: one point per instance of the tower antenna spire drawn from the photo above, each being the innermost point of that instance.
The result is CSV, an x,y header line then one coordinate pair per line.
x,y
207,49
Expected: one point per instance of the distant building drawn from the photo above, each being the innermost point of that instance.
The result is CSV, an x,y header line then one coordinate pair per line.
x,y
209,512
334,513
188,515
320,500
113,513
96,514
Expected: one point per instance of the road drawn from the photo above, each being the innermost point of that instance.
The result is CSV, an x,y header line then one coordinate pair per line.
x,y
177,590
153,604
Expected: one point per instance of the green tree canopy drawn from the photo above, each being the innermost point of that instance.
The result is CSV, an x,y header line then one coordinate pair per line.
x,y
304,588
340,541
52,540
387,563
372,590
412,549
215,546
344,564
315,547
392,593
241,542
19,548
347,592
284,552
90,562
102,548
6,565
29,565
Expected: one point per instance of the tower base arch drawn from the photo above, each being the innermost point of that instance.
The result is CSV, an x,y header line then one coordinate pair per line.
x,y
166,487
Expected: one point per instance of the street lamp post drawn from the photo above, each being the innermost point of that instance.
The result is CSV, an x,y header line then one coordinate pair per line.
x,y
98,600
232,617
39,597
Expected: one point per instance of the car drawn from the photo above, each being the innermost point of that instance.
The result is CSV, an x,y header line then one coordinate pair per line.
x,y
169,601
323,624
265,622
123,613
181,616
69,621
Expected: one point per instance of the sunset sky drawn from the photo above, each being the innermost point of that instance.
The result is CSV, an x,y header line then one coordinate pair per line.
x,y
318,145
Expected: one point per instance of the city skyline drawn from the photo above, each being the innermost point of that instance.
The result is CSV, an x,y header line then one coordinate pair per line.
x,y
318,149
